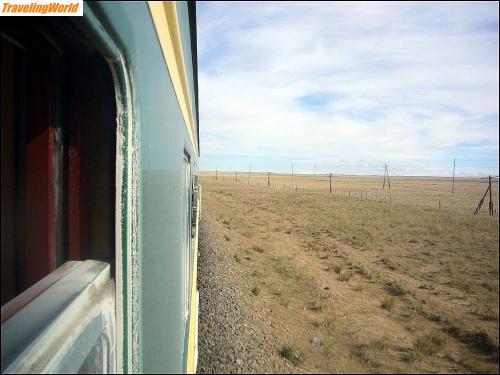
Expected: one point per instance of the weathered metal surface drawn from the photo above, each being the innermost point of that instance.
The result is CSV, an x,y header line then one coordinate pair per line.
x,y
55,332
153,138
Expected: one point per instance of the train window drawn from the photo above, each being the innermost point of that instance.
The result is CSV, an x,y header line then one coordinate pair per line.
x,y
58,147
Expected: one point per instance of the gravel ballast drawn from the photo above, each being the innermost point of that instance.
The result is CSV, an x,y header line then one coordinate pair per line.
x,y
231,339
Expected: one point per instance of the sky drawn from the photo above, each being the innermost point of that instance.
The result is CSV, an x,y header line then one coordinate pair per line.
x,y
348,87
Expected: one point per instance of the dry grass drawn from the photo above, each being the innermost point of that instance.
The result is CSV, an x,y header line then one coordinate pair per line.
x,y
372,352
344,276
396,288
255,291
387,303
332,266
257,249
291,354
426,345
425,192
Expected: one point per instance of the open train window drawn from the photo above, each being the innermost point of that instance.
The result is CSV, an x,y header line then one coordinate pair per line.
x,y
58,147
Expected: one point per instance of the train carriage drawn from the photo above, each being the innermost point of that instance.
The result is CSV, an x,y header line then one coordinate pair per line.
x,y
100,195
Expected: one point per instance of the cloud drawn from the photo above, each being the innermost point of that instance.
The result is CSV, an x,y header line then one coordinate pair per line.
x,y
324,82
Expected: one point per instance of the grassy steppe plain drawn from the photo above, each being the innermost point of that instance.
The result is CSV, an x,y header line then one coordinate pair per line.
x,y
425,192
384,287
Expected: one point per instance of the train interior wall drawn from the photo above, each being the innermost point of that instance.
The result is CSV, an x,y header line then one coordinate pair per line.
x,y
58,151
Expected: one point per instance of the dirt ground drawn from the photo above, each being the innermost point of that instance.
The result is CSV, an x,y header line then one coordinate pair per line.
x,y
349,284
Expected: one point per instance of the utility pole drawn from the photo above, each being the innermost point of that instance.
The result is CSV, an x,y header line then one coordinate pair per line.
x,y
386,173
491,209
388,180
453,181
330,183
268,180
490,205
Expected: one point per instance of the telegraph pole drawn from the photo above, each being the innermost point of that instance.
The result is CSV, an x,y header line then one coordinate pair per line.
x,y
330,183
491,209
453,181
268,180
386,173
388,180
490,205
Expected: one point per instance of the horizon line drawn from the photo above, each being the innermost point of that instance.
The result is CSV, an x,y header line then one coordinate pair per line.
x,y
350,174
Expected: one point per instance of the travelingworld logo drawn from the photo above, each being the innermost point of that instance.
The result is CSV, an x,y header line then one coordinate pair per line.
x,y
41,8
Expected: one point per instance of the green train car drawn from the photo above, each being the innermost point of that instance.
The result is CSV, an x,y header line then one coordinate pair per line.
x,y
100,196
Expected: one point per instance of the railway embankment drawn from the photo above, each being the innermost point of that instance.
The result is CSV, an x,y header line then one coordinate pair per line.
x,y
232,339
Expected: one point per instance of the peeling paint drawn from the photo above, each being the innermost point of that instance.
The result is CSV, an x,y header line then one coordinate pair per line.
x,y
128,264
